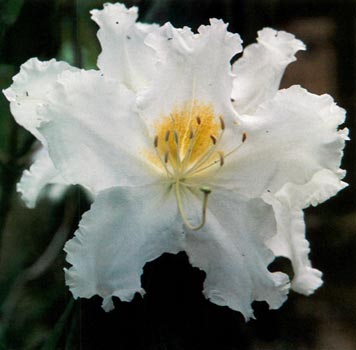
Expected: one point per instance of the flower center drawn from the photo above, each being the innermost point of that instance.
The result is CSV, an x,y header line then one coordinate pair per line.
x,y
186,140
187,144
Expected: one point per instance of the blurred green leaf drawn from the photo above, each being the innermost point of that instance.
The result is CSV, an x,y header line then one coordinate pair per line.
x,y
9,11
51,343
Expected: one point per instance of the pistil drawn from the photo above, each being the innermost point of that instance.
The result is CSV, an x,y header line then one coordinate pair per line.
x,y
206,191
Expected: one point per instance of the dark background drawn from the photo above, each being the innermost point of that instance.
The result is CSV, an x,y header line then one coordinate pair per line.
x,y
36,309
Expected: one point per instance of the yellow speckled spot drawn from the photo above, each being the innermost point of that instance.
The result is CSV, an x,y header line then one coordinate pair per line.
x,y
187,144
187,134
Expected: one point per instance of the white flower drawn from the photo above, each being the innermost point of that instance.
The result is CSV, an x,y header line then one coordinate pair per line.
x,y
185,153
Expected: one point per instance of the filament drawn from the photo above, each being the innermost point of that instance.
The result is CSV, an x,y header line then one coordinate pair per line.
x,y
193,137
211,150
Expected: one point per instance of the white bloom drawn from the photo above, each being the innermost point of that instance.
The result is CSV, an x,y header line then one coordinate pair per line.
x,y
186,153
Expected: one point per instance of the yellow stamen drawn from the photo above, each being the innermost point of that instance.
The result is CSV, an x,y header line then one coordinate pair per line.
x,y
186,128
166,138
221,155
166,155
192,144
244,137
191,135
222,123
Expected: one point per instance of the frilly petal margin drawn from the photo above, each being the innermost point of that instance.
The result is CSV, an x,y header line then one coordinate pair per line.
x,y
290,240
125,228
30,88
323,185
290,139
191,68
124,55
230,249
41,173
260,69
94,135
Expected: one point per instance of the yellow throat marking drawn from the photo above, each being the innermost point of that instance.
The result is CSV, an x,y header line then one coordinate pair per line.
x,y
187,138
187,143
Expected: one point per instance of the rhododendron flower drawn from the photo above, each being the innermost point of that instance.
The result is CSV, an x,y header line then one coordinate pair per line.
x,y
184,152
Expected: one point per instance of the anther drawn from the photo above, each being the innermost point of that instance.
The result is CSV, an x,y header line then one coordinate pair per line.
x,y
222,160
191,134
222,123
198,120
244,137
166,155
166,138
213,138
155,142
176,137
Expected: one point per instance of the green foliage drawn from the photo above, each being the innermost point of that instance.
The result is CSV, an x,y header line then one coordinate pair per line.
x,y
53,340
9,11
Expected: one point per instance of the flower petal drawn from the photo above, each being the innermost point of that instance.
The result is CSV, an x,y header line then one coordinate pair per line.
x,y
230,249
30,87
41,173
124,229
260,69
124,55
95,138
192,67
289,140
290,240
323,185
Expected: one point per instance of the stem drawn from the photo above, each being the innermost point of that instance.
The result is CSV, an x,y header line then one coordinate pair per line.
x,y
40,266
59,328
9,176
78,57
